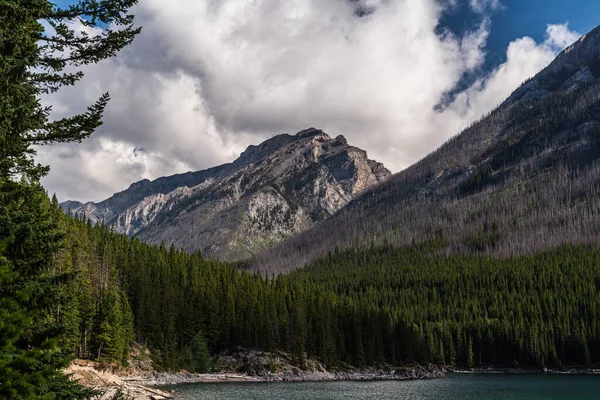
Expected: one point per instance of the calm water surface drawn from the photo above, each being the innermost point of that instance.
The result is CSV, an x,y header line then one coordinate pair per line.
x,y
463,387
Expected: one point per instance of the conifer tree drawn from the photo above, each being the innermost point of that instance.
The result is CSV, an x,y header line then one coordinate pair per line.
x,y
199,357
41,48
470,354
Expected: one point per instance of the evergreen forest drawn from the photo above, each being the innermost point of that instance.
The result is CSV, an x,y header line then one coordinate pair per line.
x,y
361,307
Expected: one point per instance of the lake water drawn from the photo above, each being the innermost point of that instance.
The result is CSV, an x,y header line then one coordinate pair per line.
x,y
461,387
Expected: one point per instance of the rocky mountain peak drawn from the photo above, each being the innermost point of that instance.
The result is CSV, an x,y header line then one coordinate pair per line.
x,y
312,132
273,191
341,139
71,205
139,184
254,153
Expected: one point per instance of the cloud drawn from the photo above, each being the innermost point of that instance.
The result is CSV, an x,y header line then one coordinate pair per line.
x,y
481,6
524,58
205,79
559,36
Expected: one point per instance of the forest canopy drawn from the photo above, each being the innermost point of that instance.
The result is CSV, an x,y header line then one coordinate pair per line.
x,y
375,306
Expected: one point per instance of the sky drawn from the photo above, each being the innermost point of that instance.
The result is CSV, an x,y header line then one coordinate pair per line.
x,y
207,78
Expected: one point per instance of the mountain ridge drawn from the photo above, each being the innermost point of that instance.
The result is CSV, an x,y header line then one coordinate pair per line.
x,y
524,178
272,191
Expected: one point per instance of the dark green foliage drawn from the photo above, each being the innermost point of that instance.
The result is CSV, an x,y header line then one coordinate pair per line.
x,y
32,63
112,327
358,307
30,332
536,310
197,355
37,312
470,354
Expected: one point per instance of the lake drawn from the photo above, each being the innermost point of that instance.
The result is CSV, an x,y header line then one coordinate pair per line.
x,y
456,387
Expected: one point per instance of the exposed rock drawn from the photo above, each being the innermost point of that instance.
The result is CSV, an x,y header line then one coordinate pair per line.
x,y
138,381
270,193
110,380
279,366
244,365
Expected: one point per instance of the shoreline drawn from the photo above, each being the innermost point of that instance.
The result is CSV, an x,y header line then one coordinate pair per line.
x,y
415,373
111,380
179,378
147,384
524,371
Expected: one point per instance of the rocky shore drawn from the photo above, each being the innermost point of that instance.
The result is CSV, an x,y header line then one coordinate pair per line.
x,y
113,382
256,366
141,382
417,372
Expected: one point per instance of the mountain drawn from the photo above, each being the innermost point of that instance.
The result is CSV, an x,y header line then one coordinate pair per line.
x,y
270,193
524,178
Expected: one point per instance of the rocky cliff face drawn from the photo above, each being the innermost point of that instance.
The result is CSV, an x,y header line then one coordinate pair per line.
x,y
270,193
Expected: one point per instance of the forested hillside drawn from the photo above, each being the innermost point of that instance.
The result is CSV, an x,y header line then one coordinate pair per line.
x,y
524,178
359,307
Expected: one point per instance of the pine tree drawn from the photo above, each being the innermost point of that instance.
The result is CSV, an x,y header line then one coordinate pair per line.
x,y
32,63
198,357
470,354
30,354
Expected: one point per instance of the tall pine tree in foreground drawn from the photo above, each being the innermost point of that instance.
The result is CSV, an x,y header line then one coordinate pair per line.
x,y
41,48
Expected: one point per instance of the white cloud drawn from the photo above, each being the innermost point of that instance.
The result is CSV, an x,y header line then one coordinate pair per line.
x,y
207,78
559,36
524,58
481,6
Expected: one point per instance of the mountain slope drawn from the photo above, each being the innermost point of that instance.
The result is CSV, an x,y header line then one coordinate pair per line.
x,y
522,179
270,193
